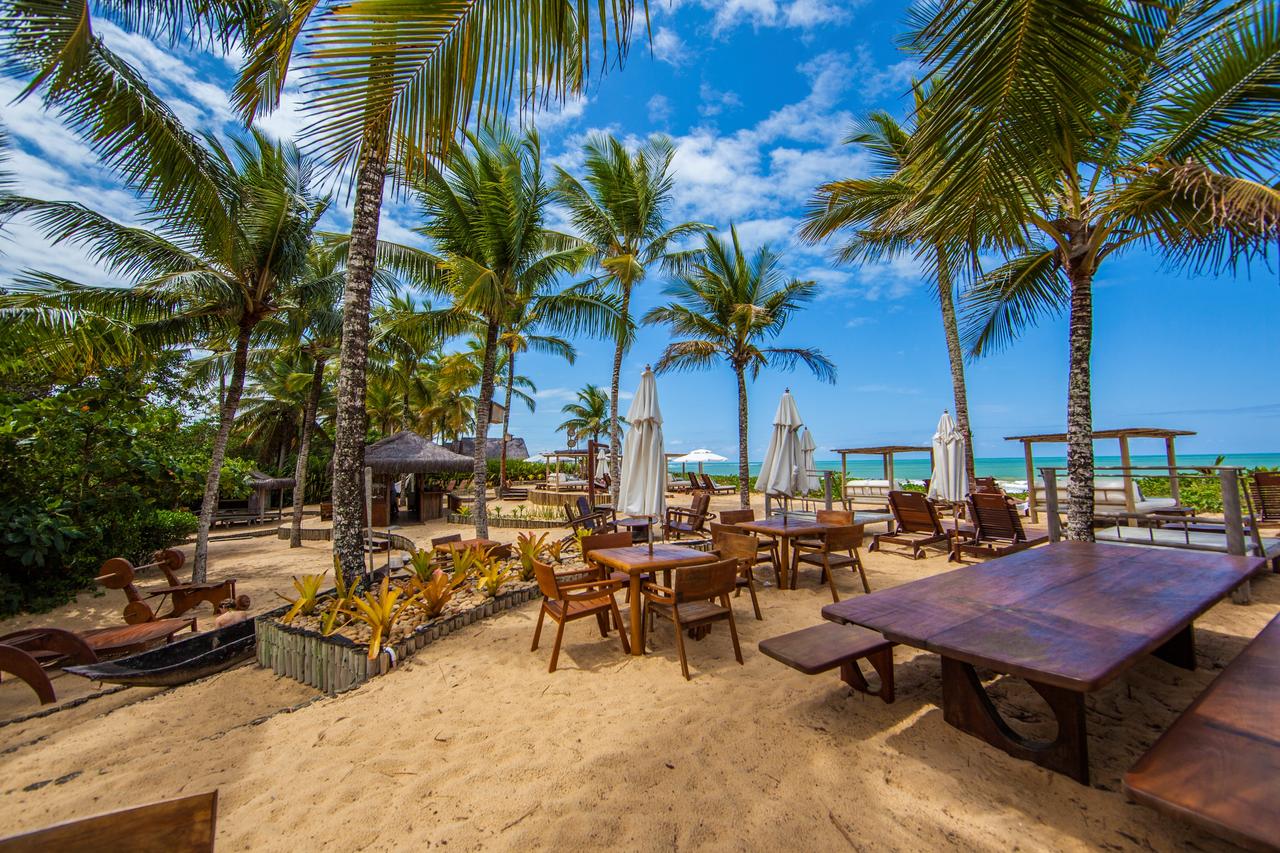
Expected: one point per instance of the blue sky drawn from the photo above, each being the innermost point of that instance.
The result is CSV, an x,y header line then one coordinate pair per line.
x,y
757,96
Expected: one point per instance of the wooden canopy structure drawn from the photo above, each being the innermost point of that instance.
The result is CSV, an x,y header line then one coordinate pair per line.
x,y
263,485
885,452
1120,435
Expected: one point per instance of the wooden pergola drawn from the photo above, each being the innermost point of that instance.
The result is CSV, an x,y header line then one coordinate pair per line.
x,y
886,454
1121,435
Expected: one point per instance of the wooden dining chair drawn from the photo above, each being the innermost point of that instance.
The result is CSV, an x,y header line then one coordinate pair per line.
x,y
838,548
768,546
835,517
690,602
566,602
731,544
599,542
688,522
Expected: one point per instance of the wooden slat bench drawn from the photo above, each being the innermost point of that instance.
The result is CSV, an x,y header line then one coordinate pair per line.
x,y
1218,765
827,646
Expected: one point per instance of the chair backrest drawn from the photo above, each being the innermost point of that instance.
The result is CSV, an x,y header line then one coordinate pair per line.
x,y
734,545
600,541
584,506
718,531
1266,493
445,540
547,583
986,486
693,480
706,481
834,516
914,513
698,583
844,538
737,516
995,518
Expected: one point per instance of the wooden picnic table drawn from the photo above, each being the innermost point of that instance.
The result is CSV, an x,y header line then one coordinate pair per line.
x,y
784,530
1067,618
636,561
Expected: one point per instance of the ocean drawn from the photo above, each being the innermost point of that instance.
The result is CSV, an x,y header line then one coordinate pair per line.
x,y
1006,468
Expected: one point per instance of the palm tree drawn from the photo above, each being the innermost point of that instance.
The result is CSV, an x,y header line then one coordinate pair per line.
x,y
1081,130
379,85
588,416
725,308
484,208
214,267
887,214
621,211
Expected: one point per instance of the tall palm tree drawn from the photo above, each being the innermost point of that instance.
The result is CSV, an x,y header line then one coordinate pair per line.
x,y
484,207
621,211
1081,130
212,269
382,79
589,415
887,215
724,309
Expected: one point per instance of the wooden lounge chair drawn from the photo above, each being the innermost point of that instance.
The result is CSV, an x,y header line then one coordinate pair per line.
x,y
693,481
118,573
709,485
837,549
688,522
184,825
591,520
987,486
565,602
1265,491
918,525
732,544
690,603
997,529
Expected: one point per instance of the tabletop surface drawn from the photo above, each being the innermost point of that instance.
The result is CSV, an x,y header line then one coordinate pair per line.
x,y
793,527
637,558
631,521
1070,614
467,543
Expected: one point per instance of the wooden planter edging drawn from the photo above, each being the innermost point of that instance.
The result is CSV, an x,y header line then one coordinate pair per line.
x,y
336,664
522,523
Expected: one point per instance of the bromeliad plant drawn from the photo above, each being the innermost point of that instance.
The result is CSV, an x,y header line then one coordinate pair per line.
x,y
381,611
422,564
339,609
555,550
530,550
492,576
308,599
467,562
431,596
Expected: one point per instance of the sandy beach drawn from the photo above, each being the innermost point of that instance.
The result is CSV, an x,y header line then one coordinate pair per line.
x,y
473,745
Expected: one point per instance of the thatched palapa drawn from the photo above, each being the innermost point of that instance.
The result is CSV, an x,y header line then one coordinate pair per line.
x,y
516,448
409,453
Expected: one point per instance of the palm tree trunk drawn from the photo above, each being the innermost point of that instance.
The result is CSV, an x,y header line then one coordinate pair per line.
x,y
1080,409
209,506
480,471
304,450
352,421
506,422
956,356
615,426
744,472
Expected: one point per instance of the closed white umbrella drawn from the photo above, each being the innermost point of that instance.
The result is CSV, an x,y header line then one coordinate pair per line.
x,y
699,456
949,481
642,489
602,464
781,468
808,467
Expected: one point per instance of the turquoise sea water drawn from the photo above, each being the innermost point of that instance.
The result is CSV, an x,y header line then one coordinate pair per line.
x,y
916,466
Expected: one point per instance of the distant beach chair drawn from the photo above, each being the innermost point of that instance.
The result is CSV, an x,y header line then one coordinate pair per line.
x,y
1265,489
997,529
118,573
918,525
709,485
688,522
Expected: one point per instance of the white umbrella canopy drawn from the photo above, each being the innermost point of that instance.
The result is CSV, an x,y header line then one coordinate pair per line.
x,y
780,471
808,467
700,455
602,463
949,481
642,487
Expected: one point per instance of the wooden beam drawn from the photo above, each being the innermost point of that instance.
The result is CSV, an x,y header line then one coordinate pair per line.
x,y
1031,482
1174,487
1130,504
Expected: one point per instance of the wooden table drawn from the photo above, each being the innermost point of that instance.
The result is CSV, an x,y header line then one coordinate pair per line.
x,y
1067,618
499,549
636,561
785,530
637,526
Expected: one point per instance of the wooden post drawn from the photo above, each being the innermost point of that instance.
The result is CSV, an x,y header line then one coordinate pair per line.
x,y
888,470
1175,489
844,474
1234,524
1031,483
1130,501
826,486
1051,503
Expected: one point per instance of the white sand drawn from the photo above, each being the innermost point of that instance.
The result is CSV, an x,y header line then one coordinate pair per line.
x,y
474,745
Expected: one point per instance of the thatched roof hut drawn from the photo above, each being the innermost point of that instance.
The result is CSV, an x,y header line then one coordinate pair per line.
x,y
266,482
516,448
409,453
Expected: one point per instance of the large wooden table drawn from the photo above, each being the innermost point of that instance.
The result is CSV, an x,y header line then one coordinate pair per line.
x,y
1067,618
637,561
784,530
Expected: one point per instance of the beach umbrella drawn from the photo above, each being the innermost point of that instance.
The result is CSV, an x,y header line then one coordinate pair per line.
x,y
602,463
642,487
808,467
780,471
699,456
949,481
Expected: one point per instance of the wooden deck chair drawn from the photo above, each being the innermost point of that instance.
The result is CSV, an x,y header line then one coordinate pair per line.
x,y
1265,488
118,573
710,485
918,525
732,544
836,550
592,520
184,825
997,529
767,548
987,486
691,602
688,522
565,602
693,481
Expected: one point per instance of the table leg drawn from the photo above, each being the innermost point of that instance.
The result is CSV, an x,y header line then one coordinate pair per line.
x,y
784,571
966,705
1180,649
637,642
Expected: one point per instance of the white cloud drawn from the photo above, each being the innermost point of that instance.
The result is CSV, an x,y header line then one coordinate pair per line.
x,y
286,122
668,47
555,114
715,102
659,108
807,14
775,231
797,14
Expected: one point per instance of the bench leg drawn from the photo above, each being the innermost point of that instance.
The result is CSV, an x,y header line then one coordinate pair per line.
x,y
1180,650
966,705
882,663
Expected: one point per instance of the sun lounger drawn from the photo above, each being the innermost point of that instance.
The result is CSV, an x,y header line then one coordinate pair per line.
x,y
997,529
1265,491
709,485
918,525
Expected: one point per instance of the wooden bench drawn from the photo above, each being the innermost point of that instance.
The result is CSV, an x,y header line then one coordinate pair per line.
x,y
1218,765
184,825
827,646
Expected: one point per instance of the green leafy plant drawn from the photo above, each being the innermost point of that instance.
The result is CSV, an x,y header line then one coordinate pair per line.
x,y
339,609
492,576
431,595
381,611
555,550
466,563
422,564
530,549
308,587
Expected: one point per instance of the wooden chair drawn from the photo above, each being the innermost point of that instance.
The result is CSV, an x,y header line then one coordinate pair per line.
x,y
768,547
1265,490
997,529
184,825
987,486
689,603
833,517
119,573
732,544
565,602
591,520
688,522
838,548
918,525
709,485
693,481
599,542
